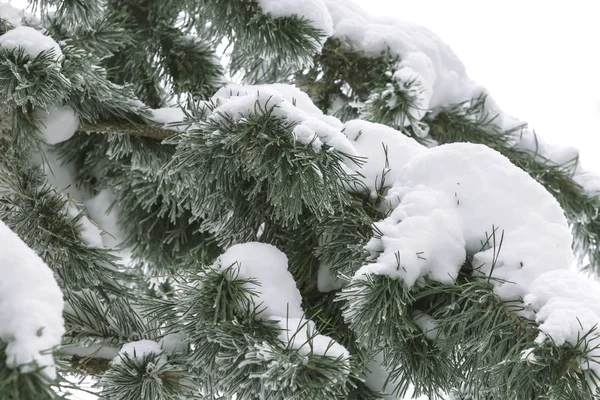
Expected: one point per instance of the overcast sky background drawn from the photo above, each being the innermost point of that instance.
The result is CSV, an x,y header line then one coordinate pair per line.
x,y
539,59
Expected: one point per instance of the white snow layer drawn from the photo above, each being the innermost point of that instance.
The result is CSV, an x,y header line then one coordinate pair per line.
x,y
31,40
445,202
425,59
31,305
11,14
278,297
289,103
56,125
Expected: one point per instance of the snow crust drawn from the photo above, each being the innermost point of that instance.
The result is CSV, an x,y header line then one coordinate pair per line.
x,y
278,296
291,104
314,11
31,40
56,125
31,305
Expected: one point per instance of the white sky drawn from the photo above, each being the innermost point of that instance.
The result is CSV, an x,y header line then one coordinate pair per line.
x,y
539,59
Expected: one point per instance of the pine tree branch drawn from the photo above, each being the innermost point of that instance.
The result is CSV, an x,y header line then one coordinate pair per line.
x,y
128,128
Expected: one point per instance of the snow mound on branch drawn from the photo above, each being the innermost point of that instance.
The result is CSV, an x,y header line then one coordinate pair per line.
x,y
57,125
567,306
422,237
278,296
425,59
31,305
287,102
31,40
140,349
456,199
385,152
171,117
489,191
11,14
314,11
463,196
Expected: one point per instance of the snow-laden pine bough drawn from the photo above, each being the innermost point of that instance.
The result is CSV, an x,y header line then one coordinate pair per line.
x,y
386,264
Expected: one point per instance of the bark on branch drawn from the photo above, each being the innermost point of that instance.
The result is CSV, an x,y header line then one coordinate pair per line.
x,y
149,131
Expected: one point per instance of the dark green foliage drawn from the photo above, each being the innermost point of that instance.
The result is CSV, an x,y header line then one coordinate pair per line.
x,y
39,215
160,52
251,171
159,230
145,377
265,49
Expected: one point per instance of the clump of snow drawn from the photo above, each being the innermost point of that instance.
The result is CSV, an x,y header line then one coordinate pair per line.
x,y
277,293
138,350
31,40
31,305
314,11
427,64
327,281
301,334
171,117
482,190
422,237
288,103
93,351
11,14
427,324
385,152
57,125
174,343
567,306
278,296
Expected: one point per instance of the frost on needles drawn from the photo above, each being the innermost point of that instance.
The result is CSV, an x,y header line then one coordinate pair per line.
x,y
274,199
